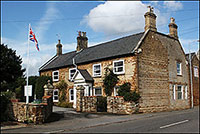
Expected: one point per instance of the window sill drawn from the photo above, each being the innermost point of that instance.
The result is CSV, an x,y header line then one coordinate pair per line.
x,y
179,75
98,76
119,73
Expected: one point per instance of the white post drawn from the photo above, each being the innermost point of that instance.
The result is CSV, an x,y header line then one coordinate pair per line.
x,y
27,97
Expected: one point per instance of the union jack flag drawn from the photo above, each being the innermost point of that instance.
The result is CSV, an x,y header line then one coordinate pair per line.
x,y
33,38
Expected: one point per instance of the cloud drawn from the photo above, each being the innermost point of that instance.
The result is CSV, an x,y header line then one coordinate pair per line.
x,y
49,17
119,17
173,5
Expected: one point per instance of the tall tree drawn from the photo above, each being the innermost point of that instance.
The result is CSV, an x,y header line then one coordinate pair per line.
x,y
10,69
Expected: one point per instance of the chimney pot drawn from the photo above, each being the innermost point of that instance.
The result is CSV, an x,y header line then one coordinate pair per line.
x,y
82,41
150,19
173,28
59,48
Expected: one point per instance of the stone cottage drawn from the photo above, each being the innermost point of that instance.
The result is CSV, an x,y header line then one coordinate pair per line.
x,y
154,63
195,77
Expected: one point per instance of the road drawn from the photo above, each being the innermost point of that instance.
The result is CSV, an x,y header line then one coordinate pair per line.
x,y
184,121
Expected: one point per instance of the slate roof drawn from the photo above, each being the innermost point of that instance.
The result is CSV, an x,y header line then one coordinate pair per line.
x,y
86,75
118,47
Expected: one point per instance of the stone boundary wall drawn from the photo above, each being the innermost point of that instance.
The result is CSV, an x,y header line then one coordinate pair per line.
x,y
117,105
36,113
89,104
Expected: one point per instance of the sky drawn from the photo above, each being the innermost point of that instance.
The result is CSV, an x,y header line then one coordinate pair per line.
x,y
101,20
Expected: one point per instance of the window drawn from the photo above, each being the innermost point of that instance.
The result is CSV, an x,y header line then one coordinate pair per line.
x,y
178,65
118,67
55,75
180,92
96,70
174,92
71,95
72,71
98,91
196,72
55,95
116,89
186,92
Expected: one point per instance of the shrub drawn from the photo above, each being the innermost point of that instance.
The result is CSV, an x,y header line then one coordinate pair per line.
x,y
124,90
5,100
101,104
39,85
109,81
62,85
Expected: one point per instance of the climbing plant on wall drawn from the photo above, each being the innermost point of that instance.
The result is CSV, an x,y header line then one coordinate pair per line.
x,y
62,86
109,81
124,90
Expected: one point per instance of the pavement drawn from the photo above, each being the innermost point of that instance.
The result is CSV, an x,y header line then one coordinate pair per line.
x,y
67,119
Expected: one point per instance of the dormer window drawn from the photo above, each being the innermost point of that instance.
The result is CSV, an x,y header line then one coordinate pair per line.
x,y
179,70
72,71
55,75
118,67
96,70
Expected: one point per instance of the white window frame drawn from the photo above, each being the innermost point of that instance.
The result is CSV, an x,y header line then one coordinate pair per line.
x,y
120,66
179,73
53,75
116,92
70,95
186,92
95,74
70,78
55,95
95,92
196,71
181,92
174,91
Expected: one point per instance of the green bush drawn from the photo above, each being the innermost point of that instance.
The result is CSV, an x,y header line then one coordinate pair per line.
x,y
124,90
62,86
39,85
65,104
109,81
101,104
5,100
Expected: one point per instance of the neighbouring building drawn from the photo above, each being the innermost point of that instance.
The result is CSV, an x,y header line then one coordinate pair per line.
x,y
195,76
154,63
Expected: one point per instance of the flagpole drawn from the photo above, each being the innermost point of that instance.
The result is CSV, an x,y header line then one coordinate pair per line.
x,y
27,97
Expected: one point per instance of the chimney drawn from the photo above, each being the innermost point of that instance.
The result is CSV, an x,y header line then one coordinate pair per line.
x,y
59,48
82,41
173,28
150,20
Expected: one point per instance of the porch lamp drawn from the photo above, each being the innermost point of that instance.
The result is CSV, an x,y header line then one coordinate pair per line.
x,y
190,60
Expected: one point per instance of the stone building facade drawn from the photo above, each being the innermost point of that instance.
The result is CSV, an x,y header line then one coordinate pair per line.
x,y
195,77
154,63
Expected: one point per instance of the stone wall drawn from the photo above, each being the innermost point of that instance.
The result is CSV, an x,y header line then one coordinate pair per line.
x,y
89,104
176,54
117,105
36,113
153,75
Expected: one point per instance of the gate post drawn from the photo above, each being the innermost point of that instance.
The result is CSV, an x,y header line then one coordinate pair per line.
x,y
79,96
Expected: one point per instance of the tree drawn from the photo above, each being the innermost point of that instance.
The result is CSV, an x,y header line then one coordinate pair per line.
x,y
109,81
39,85
11,68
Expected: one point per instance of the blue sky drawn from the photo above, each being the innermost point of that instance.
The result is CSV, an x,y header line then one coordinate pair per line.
x,y
103,21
